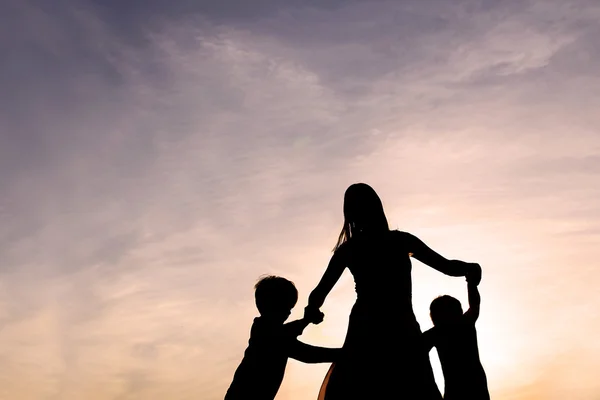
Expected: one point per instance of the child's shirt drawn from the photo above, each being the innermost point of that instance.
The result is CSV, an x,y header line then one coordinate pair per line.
x,y
456,344
261,372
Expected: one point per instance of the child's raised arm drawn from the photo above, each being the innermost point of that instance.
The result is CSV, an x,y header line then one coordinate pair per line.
x,y
428,338
474,302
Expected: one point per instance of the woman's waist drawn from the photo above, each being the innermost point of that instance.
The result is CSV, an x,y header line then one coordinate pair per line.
x,y
399,291
384,299
394,312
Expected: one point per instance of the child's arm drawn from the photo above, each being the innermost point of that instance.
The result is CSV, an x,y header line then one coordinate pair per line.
x,y
474,302
295,328
312,354
428,339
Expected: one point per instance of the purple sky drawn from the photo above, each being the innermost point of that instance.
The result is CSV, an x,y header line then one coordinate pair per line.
x,y
156,158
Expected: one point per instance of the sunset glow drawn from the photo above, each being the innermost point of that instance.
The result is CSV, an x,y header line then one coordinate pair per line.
x,y
156,158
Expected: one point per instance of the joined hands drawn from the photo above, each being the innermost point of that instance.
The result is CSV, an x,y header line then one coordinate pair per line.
x,y
473,275
313,315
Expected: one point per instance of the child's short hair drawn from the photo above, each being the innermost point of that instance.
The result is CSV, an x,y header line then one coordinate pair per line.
x,y
443,308
273,293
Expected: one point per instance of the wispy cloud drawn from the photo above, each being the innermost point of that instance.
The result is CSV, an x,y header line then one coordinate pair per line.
x,y
154,164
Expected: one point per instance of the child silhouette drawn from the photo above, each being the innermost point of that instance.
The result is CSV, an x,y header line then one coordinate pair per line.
x,y
455,338
261,371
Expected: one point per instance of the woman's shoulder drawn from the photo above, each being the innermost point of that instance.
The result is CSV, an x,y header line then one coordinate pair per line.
x,y
400,235
404,239
343,248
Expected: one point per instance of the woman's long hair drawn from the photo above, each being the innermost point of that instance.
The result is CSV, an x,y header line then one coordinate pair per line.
x,y
363,213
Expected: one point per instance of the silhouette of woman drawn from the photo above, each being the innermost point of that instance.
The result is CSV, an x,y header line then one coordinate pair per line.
x,y
382,356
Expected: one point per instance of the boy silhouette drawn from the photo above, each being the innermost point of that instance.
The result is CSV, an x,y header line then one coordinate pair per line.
x,y
261,371
455,338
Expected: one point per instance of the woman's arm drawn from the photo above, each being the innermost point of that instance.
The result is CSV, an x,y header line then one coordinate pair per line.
x,y
426,255
336,267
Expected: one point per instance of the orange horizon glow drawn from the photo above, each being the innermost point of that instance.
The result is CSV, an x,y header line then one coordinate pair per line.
x,y
156,158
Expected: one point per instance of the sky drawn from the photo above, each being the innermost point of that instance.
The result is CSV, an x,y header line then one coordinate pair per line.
x,y
157,158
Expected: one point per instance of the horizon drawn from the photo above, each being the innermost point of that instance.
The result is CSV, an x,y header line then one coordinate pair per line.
x,y
157,159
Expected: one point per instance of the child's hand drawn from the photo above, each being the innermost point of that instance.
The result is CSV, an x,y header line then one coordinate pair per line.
x,y
314,315
474,274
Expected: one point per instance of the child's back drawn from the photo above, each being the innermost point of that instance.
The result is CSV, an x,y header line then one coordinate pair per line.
x,y
261,371
455,338
457,349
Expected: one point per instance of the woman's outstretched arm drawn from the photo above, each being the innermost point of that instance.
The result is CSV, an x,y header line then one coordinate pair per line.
x,y
336,267
426,255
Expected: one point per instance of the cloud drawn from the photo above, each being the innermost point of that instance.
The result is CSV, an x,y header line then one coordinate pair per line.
x,y
153,170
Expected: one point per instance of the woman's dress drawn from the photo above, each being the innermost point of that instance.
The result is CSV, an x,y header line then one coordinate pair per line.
x,y
383,356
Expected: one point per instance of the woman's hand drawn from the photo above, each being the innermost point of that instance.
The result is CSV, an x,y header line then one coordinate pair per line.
x,y
313,315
